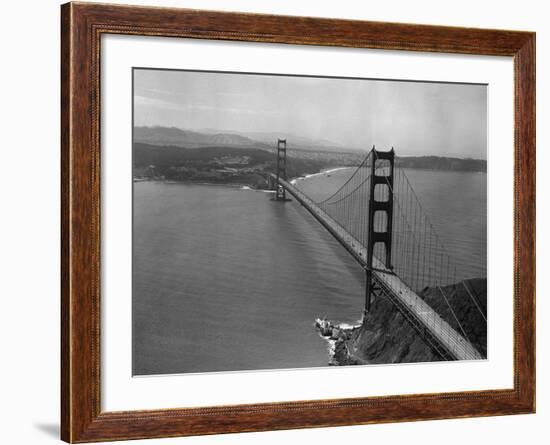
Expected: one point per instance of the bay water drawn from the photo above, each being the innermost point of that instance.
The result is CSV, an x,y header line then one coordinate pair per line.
x,y
225,279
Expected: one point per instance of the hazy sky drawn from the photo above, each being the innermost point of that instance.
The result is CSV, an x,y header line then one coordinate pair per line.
x,y
416,118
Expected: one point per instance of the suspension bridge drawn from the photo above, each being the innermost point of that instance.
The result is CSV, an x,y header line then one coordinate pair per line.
x,y
378,218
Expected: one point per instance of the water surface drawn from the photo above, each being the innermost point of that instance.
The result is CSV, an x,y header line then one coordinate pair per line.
x,y
226,279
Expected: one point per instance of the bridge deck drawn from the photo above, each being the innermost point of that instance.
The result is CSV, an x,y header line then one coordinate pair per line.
x,y
423,317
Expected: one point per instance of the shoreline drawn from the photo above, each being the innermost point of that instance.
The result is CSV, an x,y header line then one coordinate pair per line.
x,y
322,172
239,185
386,337
293,181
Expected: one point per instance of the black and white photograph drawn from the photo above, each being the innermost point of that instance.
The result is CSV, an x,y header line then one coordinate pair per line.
x,y
285,221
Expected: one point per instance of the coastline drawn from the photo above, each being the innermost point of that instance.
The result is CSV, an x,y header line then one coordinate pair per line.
x,y
322,172
386,337
293,181
236,184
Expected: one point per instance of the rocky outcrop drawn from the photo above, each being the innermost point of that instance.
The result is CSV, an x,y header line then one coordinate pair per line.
x,y
385,336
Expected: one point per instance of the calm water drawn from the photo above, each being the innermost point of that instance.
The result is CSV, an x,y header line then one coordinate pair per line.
x,y
226,279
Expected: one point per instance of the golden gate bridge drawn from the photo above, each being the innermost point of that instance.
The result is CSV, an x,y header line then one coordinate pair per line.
x,y
378,218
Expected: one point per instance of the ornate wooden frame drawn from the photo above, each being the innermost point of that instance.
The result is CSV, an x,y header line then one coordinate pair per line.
x,y
81,28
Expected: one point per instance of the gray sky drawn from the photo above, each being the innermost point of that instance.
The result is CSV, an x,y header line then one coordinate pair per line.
x,y
416,118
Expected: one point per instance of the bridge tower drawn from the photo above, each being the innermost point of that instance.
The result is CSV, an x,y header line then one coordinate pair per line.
x,y
280,192
385,180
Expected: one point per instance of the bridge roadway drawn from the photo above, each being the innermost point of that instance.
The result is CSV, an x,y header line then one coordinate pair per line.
x,y
436,331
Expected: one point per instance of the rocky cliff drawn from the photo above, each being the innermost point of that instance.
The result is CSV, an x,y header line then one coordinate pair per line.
x,y
386,337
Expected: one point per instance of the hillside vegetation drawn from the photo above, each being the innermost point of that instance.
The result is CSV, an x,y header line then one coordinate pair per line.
x,y
181,155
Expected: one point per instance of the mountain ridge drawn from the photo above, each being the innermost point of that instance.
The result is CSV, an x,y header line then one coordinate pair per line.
x,y
174,136
160,136
163,136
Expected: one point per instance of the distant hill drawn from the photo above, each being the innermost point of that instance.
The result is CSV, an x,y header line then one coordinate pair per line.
x,y
442,163
168,156
181,163
171,140
172,136
208,137
295,141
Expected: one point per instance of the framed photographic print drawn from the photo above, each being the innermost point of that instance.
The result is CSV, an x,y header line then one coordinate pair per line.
x,y
274,222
